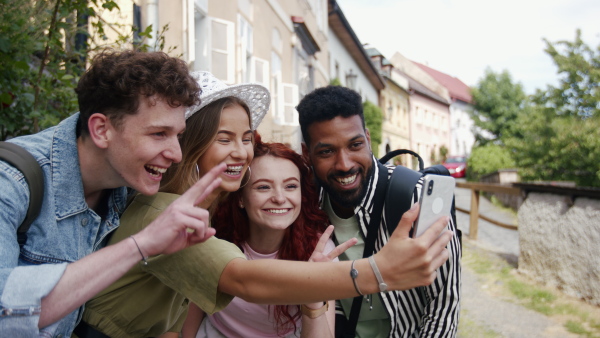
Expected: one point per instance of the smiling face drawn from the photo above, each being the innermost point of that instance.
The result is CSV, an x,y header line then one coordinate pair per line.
x,y
341,157
145,144
272,198
233,145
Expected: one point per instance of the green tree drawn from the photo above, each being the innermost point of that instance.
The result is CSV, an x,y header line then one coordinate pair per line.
x,y
443,153
488,159
497,103
335,82
44,47
560,138
557,148
373,121
578,91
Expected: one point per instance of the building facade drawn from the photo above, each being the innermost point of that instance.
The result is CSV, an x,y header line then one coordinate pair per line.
x,y
394,103
461,124
429,110
282,44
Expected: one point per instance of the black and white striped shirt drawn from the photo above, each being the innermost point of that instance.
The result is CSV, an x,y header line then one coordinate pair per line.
x,y
431,311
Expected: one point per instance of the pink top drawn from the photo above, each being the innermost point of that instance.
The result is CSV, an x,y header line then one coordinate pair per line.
x,y
243,319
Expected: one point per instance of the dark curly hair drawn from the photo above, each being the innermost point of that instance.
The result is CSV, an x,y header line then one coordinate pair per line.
x,y
327,103
117,80
301,237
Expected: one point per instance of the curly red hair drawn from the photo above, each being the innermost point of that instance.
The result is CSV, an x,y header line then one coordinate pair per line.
x,y
301,237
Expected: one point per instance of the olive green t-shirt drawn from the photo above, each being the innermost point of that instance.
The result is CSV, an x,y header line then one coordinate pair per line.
x,y
152,299
372,322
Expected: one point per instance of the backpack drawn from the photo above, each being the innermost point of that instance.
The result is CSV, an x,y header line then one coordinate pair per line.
x,y
402,183
397,200
27,164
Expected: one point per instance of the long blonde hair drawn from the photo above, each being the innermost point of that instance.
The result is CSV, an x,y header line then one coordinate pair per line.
x,y
200,132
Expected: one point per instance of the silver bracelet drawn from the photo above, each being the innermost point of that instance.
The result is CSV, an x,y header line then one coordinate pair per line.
x,y
382,285
144,258
354,274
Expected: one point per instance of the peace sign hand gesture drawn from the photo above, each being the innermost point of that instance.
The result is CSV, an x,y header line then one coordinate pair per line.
x,y
319,256
182,224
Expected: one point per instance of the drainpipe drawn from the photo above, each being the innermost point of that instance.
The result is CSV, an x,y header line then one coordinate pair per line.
x,y
152,15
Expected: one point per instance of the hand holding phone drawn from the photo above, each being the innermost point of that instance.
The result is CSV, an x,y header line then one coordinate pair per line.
x,y
435,200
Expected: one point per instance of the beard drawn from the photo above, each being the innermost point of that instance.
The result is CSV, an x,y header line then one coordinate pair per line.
x,y
347,199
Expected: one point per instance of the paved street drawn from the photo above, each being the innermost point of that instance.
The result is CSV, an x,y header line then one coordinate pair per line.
x,y
503,241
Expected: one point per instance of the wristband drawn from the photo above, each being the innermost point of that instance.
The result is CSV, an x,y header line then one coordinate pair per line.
x,y
354,274
382,285
144,258
314,313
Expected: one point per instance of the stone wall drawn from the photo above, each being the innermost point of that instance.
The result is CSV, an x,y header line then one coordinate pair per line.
x,y
559,239
504,176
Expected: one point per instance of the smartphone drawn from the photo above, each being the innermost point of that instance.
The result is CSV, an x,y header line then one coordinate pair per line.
x,y
436,198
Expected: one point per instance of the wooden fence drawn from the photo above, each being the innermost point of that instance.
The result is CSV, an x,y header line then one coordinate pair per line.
x,y
476,189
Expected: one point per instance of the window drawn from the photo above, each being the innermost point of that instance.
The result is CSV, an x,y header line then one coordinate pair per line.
x,y
244,49
290,99
276,103
276,41
319,8
214,45
221,55
137,25
259,73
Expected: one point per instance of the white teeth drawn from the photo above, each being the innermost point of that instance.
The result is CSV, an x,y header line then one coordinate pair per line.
x,y
347,180
234,169
277,211
159,170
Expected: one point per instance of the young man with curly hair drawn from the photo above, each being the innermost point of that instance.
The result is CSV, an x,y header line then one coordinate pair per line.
x,y
338,146
125,135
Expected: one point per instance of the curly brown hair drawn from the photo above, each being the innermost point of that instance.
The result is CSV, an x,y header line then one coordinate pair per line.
x,y
116,81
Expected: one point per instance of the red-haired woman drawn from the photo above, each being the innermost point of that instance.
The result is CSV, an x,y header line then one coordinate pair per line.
x,y
275,215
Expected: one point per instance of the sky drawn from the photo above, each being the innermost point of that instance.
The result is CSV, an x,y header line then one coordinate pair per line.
x,y
463,38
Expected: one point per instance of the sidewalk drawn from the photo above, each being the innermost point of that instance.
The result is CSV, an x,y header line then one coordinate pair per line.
x,y
503,241
479,306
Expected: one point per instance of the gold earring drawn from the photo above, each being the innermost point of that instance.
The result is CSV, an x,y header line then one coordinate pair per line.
x,y
248,180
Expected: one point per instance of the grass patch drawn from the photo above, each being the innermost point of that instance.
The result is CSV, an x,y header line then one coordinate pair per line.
x,y
576,316
533,297
468,328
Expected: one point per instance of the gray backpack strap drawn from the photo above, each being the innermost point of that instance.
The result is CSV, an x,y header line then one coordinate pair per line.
x,y
399,195
27,164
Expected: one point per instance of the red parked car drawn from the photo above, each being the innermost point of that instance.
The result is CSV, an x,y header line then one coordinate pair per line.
x,y
457,165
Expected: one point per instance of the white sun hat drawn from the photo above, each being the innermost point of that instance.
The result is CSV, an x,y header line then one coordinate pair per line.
x,y
255,95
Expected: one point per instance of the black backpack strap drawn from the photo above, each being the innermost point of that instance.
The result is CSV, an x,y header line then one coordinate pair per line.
x,y
397,152
375,220
399,195
27,164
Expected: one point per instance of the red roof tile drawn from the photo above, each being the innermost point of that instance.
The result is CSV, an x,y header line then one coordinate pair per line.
x,y
458,90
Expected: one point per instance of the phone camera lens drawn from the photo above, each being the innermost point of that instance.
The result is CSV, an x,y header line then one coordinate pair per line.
x,y
430,188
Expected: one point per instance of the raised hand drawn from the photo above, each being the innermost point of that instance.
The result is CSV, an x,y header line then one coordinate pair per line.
x,y
410,262
319,256
182,224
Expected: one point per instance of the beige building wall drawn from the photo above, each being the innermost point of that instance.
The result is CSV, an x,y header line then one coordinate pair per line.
x,y
240,41
430,124
394,104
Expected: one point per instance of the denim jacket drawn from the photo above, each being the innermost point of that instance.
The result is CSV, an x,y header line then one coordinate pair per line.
x,y
65,231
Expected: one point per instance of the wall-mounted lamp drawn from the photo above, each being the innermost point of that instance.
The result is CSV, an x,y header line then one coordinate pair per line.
x,y
351,79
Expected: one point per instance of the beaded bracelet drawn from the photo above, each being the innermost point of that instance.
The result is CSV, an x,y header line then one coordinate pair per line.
x,y
354,274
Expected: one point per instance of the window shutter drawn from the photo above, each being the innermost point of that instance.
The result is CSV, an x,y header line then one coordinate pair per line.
x,y
222,47
290,100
